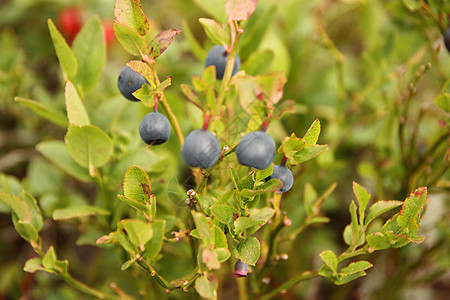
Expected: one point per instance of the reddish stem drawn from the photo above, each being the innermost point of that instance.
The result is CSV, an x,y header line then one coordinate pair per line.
x,y
283,161
155,108
205,122
265,125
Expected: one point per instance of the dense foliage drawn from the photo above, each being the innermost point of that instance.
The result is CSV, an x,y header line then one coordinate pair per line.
x,y
211,170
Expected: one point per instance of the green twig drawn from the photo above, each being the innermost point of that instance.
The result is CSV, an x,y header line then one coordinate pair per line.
x,y
86,289
290,283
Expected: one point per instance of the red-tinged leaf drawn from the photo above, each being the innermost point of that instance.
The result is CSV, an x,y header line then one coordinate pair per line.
x,y
409,215
142,68
239,10
271,86
129,12
162,41
191,94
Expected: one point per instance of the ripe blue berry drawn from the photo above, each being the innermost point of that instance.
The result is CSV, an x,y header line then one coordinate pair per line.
x,y
130,81
285,176
201,149
256,149
154,128
240,269
218,57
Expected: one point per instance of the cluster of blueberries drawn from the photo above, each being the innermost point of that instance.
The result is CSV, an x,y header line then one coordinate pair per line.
x,y
201,148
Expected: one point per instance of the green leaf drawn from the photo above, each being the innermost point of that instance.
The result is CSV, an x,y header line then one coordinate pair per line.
x,y
409,215
128,263
219,240
261,175
142,207
49,259
348,235
33,264
330,259
356,267
89,146
209,77
236,180
224,213
312,135
76,111
352,272
162,41
443,101
78,211
36,216
244,223
215,31
239,10
190,93
129,12
249,250
381,207
155,244
137,185
24,223
412,5
271,185
309,153
377,241
66,57
206,287
291,146
17,205
130,39
203,227
46,111
262,214
138,232
57,153
363,197
90,50
223,254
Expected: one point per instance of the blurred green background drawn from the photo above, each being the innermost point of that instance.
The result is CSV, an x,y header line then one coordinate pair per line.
x,y
369,70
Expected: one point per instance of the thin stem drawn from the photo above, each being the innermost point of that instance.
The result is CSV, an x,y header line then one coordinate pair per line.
x,y
230,65
87,289
172,118
149,268
270,252
242,288
290,283
346,255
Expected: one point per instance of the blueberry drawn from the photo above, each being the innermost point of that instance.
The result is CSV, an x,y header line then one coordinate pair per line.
x,y
130,81
447,38
217,57
285,175
201,149
256,149
154,128
240,269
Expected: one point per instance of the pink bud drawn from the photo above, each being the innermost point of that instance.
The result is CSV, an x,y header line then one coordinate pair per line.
x,y
240,269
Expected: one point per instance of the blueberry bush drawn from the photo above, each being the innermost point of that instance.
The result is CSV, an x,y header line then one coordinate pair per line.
x,y
153,150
